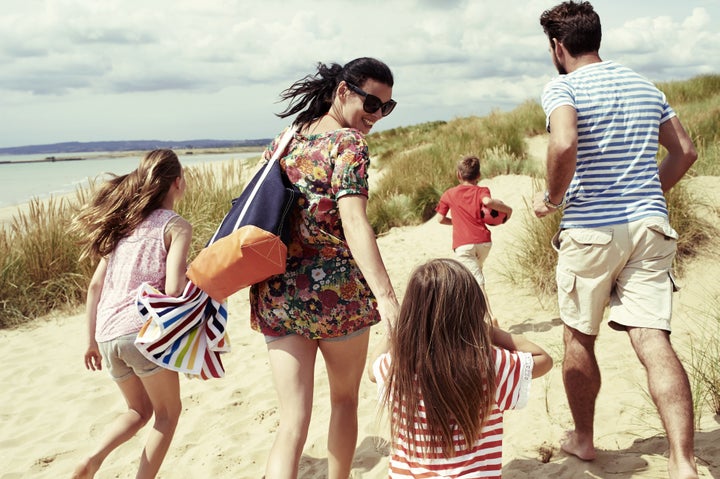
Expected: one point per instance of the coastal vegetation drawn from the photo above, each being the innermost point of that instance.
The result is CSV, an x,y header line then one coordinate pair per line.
x,y
40,269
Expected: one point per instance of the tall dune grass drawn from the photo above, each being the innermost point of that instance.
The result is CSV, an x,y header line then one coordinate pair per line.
x,y
211,189
39,266
697,104
702,354
40,270
532,262
421,162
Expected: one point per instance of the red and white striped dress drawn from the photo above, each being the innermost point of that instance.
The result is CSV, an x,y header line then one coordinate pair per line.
x,y
513,370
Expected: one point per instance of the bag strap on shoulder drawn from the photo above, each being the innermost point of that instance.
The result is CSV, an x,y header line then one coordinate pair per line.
x,y
281,147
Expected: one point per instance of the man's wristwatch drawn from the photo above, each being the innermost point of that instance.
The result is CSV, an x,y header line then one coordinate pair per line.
x,y
550,204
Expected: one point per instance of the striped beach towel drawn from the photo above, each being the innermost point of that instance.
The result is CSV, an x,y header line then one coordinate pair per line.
x,y
184,333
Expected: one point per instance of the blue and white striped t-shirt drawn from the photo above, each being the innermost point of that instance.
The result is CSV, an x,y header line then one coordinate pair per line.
x,y
619,115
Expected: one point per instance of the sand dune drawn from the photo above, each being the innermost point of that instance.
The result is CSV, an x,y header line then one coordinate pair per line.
x,y
53,409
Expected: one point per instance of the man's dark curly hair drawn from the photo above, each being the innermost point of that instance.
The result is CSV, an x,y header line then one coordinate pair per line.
x,y
575,25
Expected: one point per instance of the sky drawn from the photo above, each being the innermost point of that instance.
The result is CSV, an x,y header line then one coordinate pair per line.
x,y
88,70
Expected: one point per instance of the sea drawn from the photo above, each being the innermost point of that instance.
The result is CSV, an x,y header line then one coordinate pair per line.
x,y
23,177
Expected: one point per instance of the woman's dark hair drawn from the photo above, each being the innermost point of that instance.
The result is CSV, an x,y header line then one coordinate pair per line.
x,y
575,25
312,96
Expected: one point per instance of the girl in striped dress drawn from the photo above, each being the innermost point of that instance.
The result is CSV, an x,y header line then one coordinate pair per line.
x,y
449,375
131,227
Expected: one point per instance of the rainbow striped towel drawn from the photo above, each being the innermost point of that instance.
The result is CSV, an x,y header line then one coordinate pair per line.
x,y
185,333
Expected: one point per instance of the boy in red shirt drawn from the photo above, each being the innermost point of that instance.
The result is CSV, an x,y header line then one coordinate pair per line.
x,y
471,237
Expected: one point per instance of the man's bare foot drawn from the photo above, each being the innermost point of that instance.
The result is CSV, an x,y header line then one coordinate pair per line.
x,y
683,470
573,444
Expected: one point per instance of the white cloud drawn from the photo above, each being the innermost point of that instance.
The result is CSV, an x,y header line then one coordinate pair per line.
x,y
125,69
666,47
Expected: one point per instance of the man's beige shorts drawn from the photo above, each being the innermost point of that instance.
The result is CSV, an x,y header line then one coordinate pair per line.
x,y
627,266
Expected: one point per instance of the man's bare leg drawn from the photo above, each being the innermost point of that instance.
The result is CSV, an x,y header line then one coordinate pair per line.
x,y
670,390
581,377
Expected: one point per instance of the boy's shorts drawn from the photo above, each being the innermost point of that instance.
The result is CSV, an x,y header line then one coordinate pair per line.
x,y
627,266
123,359
473,256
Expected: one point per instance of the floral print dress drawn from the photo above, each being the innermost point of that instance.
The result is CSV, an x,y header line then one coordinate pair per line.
x,y
322,294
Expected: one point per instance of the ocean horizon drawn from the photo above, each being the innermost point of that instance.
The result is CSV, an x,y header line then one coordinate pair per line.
x,y
24,177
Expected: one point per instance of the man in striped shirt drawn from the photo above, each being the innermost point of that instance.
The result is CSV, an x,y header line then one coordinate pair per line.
x,y
615,243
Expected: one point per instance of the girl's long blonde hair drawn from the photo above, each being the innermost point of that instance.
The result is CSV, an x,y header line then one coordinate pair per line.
x,y
441,354
123,202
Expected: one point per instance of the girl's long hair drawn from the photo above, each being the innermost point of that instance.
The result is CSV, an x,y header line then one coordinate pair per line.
x,y
441,354
123,202
311,96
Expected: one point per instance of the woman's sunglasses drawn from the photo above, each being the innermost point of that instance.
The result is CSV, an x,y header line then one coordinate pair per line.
x,y
373,103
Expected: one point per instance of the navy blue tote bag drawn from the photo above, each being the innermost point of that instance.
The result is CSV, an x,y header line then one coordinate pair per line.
x,y
250,245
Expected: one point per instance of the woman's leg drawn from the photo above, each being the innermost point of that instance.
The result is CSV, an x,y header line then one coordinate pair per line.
x,y
345,362
292,361
163,388
124,427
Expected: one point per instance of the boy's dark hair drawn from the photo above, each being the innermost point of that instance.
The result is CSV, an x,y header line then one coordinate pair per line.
x,y
575,25
469,168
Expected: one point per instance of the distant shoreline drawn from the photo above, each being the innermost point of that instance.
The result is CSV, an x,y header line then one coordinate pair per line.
x,y
9,212
125,153
77,148
49,159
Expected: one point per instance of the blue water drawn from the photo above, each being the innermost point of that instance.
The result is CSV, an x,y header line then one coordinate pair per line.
x,y
20,182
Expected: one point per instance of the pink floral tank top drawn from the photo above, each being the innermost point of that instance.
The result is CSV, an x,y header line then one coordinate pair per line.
x,y
139,257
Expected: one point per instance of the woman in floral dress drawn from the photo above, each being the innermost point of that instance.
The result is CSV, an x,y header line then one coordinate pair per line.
x,y
336,285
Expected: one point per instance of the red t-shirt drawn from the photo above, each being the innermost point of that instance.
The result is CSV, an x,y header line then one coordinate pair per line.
x,y
465,202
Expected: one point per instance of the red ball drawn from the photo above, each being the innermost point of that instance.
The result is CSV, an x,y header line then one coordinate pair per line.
x,y
492,217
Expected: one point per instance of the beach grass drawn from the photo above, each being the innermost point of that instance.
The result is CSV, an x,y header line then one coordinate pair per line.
x,y
40,270
211,189
702,354
532,262
420,162
697,104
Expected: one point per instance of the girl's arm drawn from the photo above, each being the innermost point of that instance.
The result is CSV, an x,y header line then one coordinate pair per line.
x,y
93,359
178,234
515,342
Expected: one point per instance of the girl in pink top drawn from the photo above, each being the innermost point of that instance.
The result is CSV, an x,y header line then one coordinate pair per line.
x,y
131,226
449,376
